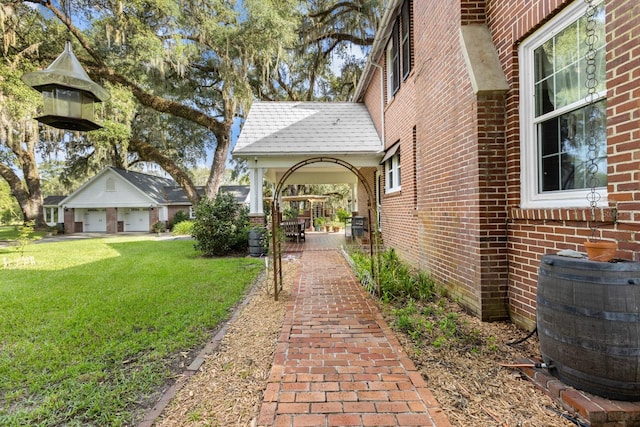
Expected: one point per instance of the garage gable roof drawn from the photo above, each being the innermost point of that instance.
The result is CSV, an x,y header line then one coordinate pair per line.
x,y
156,189
277,128
161,191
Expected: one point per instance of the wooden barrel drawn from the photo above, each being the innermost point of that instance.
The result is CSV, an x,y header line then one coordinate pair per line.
x,y
588,318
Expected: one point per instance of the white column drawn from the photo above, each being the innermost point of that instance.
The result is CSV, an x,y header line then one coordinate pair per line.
x,y
354,197
256,176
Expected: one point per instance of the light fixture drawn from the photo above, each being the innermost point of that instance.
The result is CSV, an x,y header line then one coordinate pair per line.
x,y
68,93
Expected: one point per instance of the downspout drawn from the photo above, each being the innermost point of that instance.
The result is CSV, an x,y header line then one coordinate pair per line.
x,y
382,131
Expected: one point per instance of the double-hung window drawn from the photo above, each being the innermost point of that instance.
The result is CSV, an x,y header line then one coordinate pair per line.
x,y
399,50
562,134
392,173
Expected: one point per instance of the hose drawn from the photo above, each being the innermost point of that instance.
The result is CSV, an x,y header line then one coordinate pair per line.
x,y
525,365
568,417
535,330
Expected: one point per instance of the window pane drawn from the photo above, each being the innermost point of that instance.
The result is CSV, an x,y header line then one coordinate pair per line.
x,y
568,86
544,96
543,61
395,57
549,174
567,47
548,132
563,144
544,84
560,65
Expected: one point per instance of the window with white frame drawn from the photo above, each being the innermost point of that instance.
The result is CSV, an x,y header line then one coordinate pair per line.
x,y
392,173
192,212
51,215
557,122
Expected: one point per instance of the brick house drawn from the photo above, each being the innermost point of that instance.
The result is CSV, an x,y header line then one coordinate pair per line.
x,y
483,164
480,107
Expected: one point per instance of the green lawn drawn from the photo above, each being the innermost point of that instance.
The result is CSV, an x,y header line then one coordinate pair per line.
x,y
89,333
10,232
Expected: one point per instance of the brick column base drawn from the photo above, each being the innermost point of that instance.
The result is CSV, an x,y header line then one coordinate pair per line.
x,y
257,220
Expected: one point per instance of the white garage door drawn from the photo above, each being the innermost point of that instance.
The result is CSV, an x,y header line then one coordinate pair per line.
x,y
136,219
95,221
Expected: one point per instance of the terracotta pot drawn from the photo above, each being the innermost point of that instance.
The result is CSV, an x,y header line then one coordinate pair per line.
x,y
601,250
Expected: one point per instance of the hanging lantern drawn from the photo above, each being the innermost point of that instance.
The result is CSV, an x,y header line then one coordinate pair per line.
x,y
68,93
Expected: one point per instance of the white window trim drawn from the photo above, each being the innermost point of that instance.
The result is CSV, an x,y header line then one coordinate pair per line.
x,y
529,196
395,186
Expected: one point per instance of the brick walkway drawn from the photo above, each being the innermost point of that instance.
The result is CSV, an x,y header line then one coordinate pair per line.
x,y
337,363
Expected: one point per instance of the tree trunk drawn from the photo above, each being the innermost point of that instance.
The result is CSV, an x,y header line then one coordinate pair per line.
x,y
218,166
223,141
29,196
27,190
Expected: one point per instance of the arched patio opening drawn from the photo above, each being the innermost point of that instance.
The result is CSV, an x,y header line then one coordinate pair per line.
x,y
275,223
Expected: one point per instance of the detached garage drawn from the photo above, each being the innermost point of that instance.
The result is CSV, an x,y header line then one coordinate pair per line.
x,y
121,201
116,201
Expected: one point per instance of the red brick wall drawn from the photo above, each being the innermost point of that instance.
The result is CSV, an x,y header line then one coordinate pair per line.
x,y
534,232
173,210
372,99
450,200
461,180
398,215
112,220
69,221
447,151
154,215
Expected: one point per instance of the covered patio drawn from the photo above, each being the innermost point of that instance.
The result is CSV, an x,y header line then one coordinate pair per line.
x,y
279,135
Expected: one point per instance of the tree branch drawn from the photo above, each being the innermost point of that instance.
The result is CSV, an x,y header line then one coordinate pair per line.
x,y
152,101
324,13
150,153
340,37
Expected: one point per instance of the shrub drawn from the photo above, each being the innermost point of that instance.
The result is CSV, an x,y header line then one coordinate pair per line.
x,y
26,235
182,228
221,226
159,227
289,213
342,214
397,281
179,217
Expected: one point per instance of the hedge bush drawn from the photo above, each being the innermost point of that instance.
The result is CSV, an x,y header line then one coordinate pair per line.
x,y
179,217
221,226
183,228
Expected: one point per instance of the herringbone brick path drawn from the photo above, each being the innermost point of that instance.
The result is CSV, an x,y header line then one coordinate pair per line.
x,y
337,363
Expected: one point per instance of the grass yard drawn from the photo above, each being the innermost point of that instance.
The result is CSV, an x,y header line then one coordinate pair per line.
x,y
10,232
90,332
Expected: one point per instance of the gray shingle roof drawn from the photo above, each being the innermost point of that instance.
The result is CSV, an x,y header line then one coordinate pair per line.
x,y
53,200
156,187
273,128
239,192
164,191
